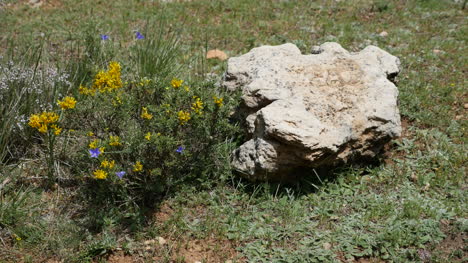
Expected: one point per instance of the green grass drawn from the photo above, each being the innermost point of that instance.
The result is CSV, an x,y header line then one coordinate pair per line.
x,y
410,208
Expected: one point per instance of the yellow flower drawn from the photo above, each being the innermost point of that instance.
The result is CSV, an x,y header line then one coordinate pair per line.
x,y
35,121
57,130
41,121
93,144
107,164
148,136
138,167
145,114
197,106
108,81
17,237
67,103
186,88
218,101
100,174
176,83
90,134
115,141
86,91
49,117
43,128
102,149
184,117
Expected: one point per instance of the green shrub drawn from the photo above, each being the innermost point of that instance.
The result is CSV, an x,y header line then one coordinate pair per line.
x,y
141,138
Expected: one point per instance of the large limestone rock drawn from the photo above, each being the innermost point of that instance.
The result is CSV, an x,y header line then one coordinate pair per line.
x,y
324,109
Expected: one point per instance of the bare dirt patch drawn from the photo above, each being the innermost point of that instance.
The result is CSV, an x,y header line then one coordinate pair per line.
x,y
206,250
454,247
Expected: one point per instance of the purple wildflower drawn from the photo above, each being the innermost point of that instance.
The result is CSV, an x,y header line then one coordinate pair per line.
x,y
138,35
180,149
104,37
120,174
94,152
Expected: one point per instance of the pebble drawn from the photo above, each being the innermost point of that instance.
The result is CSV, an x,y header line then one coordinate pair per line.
x,y
383,34
161,241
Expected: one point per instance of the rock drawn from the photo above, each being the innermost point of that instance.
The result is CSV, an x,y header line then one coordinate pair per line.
x,y
161,241
216,53
35,3
314,110
149,242
465,106
383,34
316,50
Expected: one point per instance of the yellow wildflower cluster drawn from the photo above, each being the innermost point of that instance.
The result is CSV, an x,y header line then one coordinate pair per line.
x,y
45,120
197,106
57,129
145,114
108,164
100,174
184,117
218,101
86,91
138,167
67,103
176,83
114,141
105,81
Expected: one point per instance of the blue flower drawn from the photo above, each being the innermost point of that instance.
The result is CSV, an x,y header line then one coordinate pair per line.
x,y
94,152
138,35
180,149
120,174
104,37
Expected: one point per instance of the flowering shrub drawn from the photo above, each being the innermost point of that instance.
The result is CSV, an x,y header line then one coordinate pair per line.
x,y
143,137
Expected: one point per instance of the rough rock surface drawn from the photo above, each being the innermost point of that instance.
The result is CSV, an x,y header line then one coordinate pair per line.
x,y
317,110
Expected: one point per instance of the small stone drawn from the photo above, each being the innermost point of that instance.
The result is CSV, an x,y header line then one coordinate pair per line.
x,y
326,245
149,242
147,248
161,241
383,34
436,51
35,3
228,261
458,117
216,53
316,50
413,177
465,106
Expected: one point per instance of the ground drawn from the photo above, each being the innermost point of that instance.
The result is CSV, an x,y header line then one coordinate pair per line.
x,y
409,207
